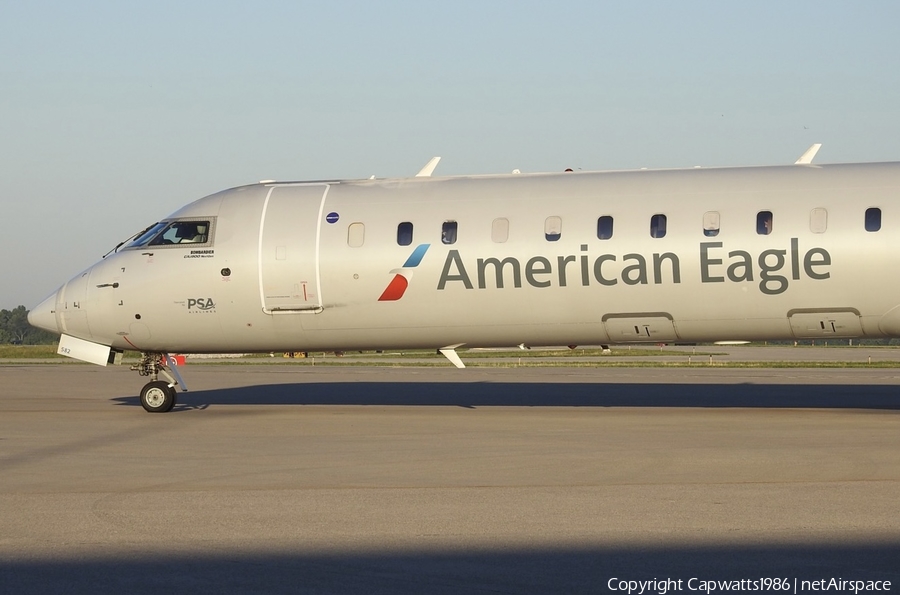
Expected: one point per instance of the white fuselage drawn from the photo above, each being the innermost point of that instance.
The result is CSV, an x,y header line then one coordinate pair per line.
x,y
364,264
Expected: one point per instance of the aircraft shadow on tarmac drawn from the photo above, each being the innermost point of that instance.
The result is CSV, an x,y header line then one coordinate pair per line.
x,y
480,394
548,570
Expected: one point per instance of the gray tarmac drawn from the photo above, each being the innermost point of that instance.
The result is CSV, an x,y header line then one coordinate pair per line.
x,y
271,479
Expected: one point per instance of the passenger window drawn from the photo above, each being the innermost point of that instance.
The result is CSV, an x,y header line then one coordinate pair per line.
x,y
711,224
658,226
448,232
405,233
764,223
873,219
183,232
356,235
553,229
604,227
500,230
818,220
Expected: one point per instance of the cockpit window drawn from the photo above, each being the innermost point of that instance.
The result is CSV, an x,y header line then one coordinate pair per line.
x,y
147,235
183,232
167,233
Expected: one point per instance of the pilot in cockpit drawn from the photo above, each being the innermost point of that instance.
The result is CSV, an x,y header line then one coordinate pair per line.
x,y
191,233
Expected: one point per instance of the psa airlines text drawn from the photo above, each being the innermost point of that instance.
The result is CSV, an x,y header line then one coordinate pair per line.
x,y
667,585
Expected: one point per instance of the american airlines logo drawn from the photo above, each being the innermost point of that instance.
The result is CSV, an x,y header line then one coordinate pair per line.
x,y
397,287
772,270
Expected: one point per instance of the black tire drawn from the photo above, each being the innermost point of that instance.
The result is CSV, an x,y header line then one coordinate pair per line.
x,y
157,397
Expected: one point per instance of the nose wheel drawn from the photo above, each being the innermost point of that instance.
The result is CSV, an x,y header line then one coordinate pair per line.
x,y
158,397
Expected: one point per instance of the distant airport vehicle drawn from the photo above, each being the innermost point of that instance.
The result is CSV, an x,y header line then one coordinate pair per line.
x,y
703,254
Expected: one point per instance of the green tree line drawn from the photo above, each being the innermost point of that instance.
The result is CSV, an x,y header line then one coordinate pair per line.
x,y
14,328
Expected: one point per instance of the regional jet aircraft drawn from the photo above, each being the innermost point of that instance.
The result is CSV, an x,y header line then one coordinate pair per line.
x,y
709,254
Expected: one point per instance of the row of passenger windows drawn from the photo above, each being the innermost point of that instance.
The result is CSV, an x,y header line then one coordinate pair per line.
x,y
765,224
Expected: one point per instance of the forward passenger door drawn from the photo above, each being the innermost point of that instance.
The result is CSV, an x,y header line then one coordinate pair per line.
x,y
288,249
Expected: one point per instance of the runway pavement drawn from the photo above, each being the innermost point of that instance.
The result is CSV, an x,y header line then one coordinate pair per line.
x,y
437,480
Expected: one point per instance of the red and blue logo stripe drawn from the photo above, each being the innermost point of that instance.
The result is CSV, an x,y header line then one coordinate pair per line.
x,y
397,287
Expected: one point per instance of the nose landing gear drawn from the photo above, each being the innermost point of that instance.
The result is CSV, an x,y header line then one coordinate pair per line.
x,y
158,396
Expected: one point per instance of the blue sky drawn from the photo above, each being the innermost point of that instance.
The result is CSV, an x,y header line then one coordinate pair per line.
x,y
114,114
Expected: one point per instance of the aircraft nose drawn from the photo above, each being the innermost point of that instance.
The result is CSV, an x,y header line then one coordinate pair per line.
x,y
43,316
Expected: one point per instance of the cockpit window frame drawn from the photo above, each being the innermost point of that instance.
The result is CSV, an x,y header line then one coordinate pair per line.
x,y
166,225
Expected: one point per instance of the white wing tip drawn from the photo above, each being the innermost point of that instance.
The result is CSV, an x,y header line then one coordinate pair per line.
x,y
809,155
426,171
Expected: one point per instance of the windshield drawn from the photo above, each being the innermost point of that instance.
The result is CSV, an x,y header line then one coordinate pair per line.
x,y
147,235
183,232
167,233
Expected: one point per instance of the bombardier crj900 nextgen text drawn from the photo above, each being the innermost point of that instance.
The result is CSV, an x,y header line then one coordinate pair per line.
x,y
787,252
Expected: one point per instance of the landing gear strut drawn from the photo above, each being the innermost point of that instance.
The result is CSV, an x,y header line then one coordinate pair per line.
x,y
158,396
